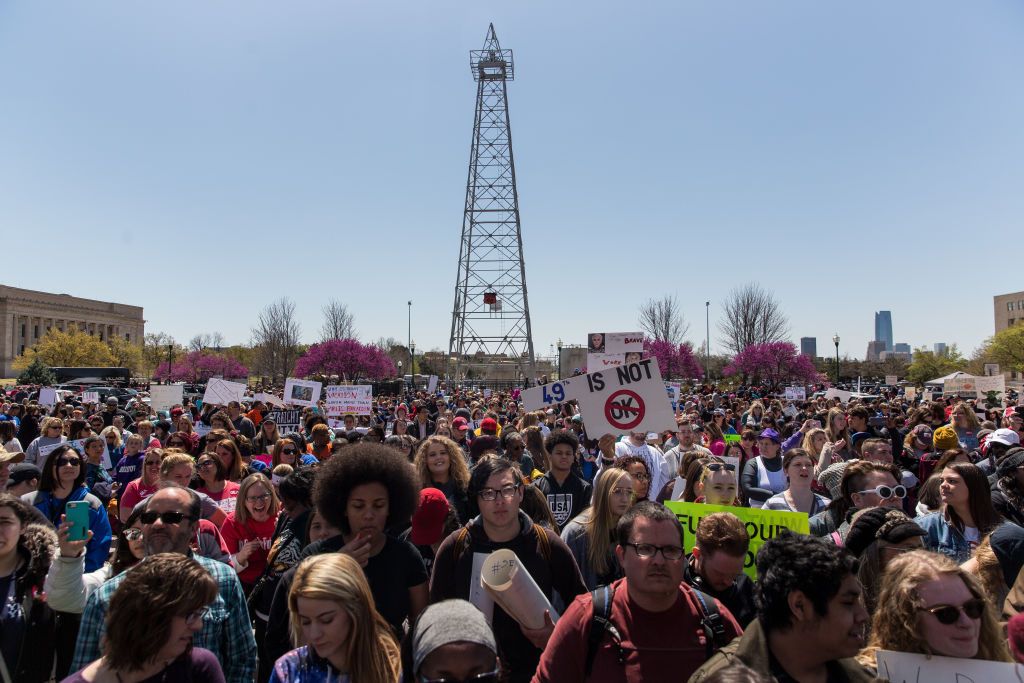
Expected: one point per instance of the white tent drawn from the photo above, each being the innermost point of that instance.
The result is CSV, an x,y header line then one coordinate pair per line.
x,y
954,375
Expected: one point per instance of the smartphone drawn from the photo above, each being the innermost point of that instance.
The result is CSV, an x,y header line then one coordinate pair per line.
x,y
77,512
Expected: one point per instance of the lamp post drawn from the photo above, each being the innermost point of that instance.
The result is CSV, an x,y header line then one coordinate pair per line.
x,y
559,358
412,363
409,338
707,341
835,340
401,375
170,362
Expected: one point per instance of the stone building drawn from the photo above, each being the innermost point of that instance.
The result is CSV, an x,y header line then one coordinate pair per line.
x,y
26,315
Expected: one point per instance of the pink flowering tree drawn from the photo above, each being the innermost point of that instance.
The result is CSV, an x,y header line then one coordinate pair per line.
x,y
346,358
774,363
675,361
199,366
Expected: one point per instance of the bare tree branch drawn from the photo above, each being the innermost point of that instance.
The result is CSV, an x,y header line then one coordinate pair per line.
x,y
276,338
662,320
338,322
751,315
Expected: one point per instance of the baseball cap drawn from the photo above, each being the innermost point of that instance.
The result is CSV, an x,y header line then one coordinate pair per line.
x,y
1005,436
489,425
460,423
23,472
10,456
428,520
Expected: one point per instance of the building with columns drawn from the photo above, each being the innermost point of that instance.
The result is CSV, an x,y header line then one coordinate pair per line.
x,y
26,315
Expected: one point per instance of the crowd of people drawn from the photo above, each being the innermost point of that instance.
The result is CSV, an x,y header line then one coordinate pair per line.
x,y
204,543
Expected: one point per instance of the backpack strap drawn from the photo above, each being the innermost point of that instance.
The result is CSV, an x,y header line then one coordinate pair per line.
x,y
711,622
600,624
461,542
543,541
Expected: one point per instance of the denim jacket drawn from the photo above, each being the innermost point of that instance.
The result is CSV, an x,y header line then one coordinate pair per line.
x,y
943,537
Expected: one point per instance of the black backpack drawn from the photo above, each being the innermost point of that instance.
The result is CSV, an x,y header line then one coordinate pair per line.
x,y
600,623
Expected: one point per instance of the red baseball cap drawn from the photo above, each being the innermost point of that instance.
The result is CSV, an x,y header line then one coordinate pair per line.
x,y
489,425
460,423
428,520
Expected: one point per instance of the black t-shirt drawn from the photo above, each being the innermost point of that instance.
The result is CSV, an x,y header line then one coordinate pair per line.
x,y
391,573
569,499
12,622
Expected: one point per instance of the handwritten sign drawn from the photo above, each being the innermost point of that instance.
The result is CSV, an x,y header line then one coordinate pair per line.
x,y
796,394
432,384
761,525
47,396
600,361
269,399
90,397
220,392
907,667
287,420
843,396
355,399
630,398
891,380
539,398
301,392
164,397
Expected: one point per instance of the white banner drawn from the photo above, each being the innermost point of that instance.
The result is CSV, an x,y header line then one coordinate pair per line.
x,y
164,396
301,392
432,384
355,399
615,342
843,396
796,394
891,380
627,399
220,392
90,397
906,667
47,396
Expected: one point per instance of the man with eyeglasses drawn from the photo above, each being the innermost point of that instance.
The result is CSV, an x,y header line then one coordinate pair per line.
x,y
656,624
168,524
497,489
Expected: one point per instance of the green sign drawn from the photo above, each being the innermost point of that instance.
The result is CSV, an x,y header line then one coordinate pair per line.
x,y
733,438
762,525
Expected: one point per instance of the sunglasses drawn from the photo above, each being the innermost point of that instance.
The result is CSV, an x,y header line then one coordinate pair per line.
x,y
68,462
132,534
949,614
289,451
719,466
884,492
171,517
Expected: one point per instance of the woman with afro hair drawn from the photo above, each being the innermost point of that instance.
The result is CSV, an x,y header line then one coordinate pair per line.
x,y
369,494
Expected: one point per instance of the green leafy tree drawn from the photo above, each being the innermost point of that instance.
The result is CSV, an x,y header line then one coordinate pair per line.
x,y
928,365
1007,348
37,372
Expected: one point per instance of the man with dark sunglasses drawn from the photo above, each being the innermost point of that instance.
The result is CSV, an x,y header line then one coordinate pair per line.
x,y
168,524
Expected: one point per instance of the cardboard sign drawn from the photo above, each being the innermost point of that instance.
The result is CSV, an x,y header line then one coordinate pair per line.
x,y
996,383
796,394
910,393
356,399
959,385
270,400
544,396
164,397
46,450
287,420
615,342
843,396
301,392
90,397
762,525
79,445
47,396
626,399
907,667
600,361
220,392
432,384
891,380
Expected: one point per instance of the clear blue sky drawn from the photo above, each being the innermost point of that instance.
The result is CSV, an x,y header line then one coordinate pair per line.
x,y
200,159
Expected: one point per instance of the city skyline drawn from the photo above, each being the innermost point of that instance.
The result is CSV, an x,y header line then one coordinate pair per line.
x,y
274,151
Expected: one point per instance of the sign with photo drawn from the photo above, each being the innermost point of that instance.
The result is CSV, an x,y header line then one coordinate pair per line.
x,y
629,398
301,392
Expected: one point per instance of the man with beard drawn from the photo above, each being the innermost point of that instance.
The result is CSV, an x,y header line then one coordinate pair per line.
x,y
168,524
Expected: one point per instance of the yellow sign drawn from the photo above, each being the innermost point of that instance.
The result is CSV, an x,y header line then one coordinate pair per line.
x,y
762,525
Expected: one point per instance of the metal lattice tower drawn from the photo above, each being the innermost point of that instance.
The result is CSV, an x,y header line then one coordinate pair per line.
x,y
491,316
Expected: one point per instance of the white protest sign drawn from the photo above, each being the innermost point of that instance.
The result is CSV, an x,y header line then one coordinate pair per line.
x,y
796,394
539,398
600,361
164,396
627,399
432,384
355,399
906,667
910,393
220,392
90,397
202,429
46,450
891,380
269,399
624,342
487,393
47,396
996,383
926,395
959,385
843,396
301,392
79,445
674,390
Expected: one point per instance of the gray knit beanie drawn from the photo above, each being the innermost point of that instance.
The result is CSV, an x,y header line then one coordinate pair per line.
x,y
449,621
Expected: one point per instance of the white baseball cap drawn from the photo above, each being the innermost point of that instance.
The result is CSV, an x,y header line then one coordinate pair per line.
x,y
1005,436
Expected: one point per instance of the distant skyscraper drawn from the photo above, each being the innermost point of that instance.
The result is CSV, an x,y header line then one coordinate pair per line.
x,y
883,329
809,346
875,349
901,348
939,348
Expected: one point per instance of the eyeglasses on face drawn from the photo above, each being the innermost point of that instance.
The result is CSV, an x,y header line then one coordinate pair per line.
x,y
205,465
479,678
949,614
261,498
622,491
884,492
507,492
170,517
647,550
641,476
193,618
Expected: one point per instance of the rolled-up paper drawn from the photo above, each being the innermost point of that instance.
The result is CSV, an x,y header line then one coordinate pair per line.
x,y
514,590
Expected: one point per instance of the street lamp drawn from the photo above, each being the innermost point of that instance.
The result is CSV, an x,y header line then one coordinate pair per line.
x,y
410,337
170,362
412,362
707,342
401,375
559,358
835,340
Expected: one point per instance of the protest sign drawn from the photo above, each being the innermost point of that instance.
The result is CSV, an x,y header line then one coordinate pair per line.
x,y
674,391
991,369
354,399
891,380
79,445
599,361
202,429
796,394
487,393
270,400
301,392
996,383
910,393
47,396
162,397
90,397
732,438
959,385
220,392
843,396
908,667
287,420
432,384
542,397
926,395
624,342
46,450
762,525
626,399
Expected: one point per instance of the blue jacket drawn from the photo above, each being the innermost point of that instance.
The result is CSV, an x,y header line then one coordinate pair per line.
x,y
98,549
304,666
943,537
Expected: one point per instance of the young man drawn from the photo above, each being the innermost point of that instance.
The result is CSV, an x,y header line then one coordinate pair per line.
x,y
686,443
811,618
657,617
568,494
240,422
23,478
716,564
497,487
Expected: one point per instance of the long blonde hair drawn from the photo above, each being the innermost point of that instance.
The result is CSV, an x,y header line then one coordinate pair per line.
x,y
808,443
457,469
895,627
600,527
371,651
830,432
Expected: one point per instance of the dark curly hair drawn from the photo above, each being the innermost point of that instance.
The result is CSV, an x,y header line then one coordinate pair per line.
x,y
561,436
795,562
366,463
